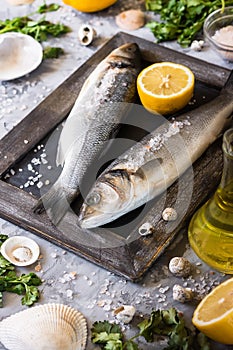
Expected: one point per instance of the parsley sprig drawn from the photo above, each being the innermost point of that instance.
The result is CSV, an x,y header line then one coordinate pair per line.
x,y
181,20
25,285
39,29
169,323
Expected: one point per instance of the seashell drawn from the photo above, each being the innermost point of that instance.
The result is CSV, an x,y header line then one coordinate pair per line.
x,y
146,229
180,266
130,19
125,313
20,250
19,55
169,214
45,327
86,34
197,45
182,294
20,2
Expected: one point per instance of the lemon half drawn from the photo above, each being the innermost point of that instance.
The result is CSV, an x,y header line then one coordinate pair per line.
x,y
89,5
165,87
214,315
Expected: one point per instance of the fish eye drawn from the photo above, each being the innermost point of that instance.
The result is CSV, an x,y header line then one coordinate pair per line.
x,y
93,198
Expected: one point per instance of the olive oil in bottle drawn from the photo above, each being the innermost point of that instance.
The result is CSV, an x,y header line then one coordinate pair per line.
x,y
211,228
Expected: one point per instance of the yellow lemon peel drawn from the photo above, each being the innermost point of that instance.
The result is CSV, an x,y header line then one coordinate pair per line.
x,y
214,315
89,5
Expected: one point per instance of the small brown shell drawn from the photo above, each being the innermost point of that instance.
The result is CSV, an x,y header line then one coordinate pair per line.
x,y
131,19
182,294
169,214
180,266
146,229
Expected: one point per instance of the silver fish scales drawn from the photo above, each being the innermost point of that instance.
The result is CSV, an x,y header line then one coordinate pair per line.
x,y
102,102
149,167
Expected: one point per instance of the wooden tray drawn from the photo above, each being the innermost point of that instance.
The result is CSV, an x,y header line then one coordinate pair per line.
x,y
119,247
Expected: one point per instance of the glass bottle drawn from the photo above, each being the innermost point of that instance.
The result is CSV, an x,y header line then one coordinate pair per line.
x,y
211,228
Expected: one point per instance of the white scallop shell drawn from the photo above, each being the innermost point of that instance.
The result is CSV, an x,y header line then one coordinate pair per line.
x,y
19,55
10,249
45,327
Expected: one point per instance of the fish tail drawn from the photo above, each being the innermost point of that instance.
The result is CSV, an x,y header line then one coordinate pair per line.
x,y
56,201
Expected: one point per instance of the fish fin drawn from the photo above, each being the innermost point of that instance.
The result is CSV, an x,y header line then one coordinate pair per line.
x,y
56,201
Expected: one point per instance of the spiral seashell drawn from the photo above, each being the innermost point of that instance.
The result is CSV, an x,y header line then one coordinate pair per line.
x,y
86,34
169,214
45,327
146,229
180,266
182,294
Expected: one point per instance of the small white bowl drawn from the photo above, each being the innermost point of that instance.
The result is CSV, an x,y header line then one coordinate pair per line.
x,y
19,55
20,250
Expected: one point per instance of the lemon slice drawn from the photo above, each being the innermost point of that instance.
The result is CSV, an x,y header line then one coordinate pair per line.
x,y
214,315
165,87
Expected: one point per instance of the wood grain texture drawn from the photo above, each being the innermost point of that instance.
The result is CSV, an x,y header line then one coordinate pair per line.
x,y
130,255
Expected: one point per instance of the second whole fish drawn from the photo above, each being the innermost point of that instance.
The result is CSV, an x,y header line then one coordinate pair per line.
x,y
102,102
150,166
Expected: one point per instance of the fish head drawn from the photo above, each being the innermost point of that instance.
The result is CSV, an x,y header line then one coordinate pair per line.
x,y
125,56
110,195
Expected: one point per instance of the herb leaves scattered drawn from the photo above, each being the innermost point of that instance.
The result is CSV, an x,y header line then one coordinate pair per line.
x,y
38,29
181,20
169,323
25,285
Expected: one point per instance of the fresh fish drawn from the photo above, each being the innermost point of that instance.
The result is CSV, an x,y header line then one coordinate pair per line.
x,y
150,166
95,116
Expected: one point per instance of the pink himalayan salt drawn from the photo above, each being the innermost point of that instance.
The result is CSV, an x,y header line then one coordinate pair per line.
x,y
224,36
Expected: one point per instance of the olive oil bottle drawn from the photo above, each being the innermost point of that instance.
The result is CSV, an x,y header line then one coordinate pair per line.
x,y
211,228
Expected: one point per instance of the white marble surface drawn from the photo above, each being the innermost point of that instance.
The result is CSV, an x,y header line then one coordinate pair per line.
x,y
93,290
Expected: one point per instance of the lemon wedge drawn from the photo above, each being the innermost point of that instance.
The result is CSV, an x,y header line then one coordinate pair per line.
x,y
214,315
165,87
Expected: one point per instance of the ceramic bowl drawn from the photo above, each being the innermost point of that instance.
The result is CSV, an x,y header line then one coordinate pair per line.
x,y
19,55
218,32
20,250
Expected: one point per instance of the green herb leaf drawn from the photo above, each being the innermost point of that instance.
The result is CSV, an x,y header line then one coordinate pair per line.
x,y
130,345
107,335
48,8
181,20
39,30
52,52
203,341
31,296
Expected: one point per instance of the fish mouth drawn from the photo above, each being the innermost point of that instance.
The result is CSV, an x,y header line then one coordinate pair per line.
x,y
90,217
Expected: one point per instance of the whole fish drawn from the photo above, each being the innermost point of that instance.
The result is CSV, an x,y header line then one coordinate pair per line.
x,y
95,116
150,166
